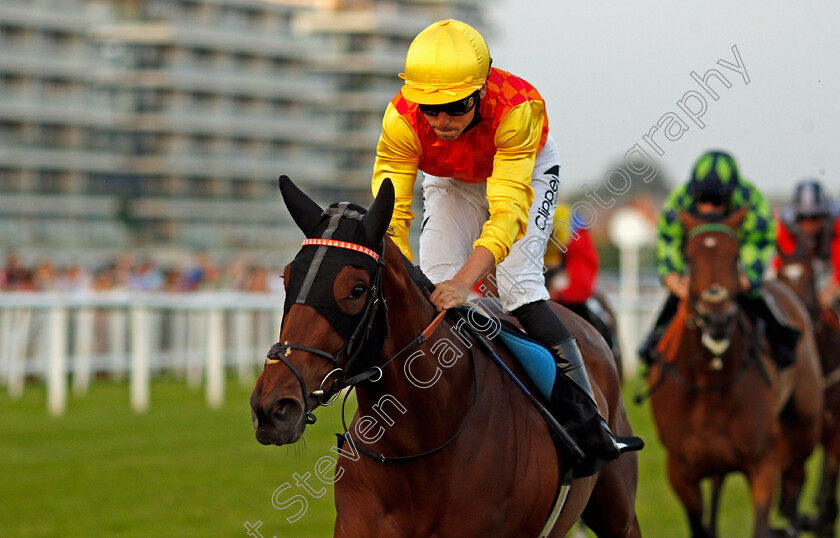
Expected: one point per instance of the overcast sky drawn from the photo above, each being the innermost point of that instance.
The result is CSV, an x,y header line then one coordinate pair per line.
x,y
610,74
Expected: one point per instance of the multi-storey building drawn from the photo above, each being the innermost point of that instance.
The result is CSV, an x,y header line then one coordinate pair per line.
x,y
131,123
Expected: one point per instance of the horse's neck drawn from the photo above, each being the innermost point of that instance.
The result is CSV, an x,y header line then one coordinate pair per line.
x,y
431,389
695,360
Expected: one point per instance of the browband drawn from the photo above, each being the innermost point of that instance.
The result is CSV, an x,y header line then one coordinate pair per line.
x,y
341,244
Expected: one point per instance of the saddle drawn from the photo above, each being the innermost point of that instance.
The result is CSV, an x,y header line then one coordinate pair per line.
x,y
537,361
775,309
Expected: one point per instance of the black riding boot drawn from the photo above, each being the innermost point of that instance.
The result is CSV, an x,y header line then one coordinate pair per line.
x,y
572,400
647,350
782,338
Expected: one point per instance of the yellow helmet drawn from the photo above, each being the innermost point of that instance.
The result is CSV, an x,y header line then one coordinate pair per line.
x,y
446,62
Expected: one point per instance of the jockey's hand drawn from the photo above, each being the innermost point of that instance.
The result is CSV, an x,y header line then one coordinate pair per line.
x,y
676,284
450,293
746,285
456,291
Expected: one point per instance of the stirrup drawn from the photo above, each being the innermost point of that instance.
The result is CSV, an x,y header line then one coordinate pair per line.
x,y
629,443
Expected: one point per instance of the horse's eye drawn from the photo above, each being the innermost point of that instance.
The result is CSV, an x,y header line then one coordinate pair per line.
x,y
357,292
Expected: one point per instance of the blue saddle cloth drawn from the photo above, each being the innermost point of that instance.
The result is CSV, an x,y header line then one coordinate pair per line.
x,y
537,361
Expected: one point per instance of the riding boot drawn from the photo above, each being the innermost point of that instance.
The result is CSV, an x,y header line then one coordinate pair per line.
x,y
583,416
572,401
783,340
647,350
782,337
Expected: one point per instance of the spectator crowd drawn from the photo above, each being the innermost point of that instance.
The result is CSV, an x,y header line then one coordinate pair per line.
x,y
127,272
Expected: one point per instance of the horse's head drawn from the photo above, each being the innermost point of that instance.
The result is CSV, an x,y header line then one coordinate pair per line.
x,y
712,251
333,317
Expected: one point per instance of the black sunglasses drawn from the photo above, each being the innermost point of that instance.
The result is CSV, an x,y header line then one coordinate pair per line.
x,y
457,108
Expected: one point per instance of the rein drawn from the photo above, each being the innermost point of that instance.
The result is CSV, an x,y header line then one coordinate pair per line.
x,y
343,437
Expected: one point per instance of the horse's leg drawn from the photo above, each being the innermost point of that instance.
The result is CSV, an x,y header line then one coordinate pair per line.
x,y
688,490
763,477
827,509
717,488
611,511
827,496
792,480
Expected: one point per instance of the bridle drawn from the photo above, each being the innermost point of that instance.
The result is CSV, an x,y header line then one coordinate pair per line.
x,y
352,348
715,294
668,368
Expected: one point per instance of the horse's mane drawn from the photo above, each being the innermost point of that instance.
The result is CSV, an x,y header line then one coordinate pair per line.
x,y
417,276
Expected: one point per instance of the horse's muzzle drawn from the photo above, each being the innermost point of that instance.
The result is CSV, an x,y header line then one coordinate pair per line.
x,y
718,325
279,423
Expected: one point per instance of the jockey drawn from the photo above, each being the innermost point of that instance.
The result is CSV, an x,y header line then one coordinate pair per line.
x,y
490,178
573,253
572,268
810,214
715,188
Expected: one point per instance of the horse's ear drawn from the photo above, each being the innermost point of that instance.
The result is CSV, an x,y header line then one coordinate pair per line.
x,y
734,220
378,217
689,221
305,212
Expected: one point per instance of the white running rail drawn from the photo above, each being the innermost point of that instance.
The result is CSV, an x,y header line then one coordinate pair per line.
x,y
71,338
68,339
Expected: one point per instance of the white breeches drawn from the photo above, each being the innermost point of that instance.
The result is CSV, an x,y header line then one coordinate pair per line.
x,y
454,213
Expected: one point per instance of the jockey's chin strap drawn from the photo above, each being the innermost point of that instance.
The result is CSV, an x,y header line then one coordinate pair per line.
x,y
354,345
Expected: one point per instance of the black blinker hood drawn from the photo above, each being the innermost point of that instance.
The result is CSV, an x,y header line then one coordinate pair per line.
x,y
315,268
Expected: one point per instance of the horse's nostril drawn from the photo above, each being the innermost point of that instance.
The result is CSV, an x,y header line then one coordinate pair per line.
x,y
284,412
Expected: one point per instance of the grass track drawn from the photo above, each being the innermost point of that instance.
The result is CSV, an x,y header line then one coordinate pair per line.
x,y
185,470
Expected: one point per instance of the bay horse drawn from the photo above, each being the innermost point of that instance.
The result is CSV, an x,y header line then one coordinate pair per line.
x,y
717,400
602,307
442,443
800,271
597,310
